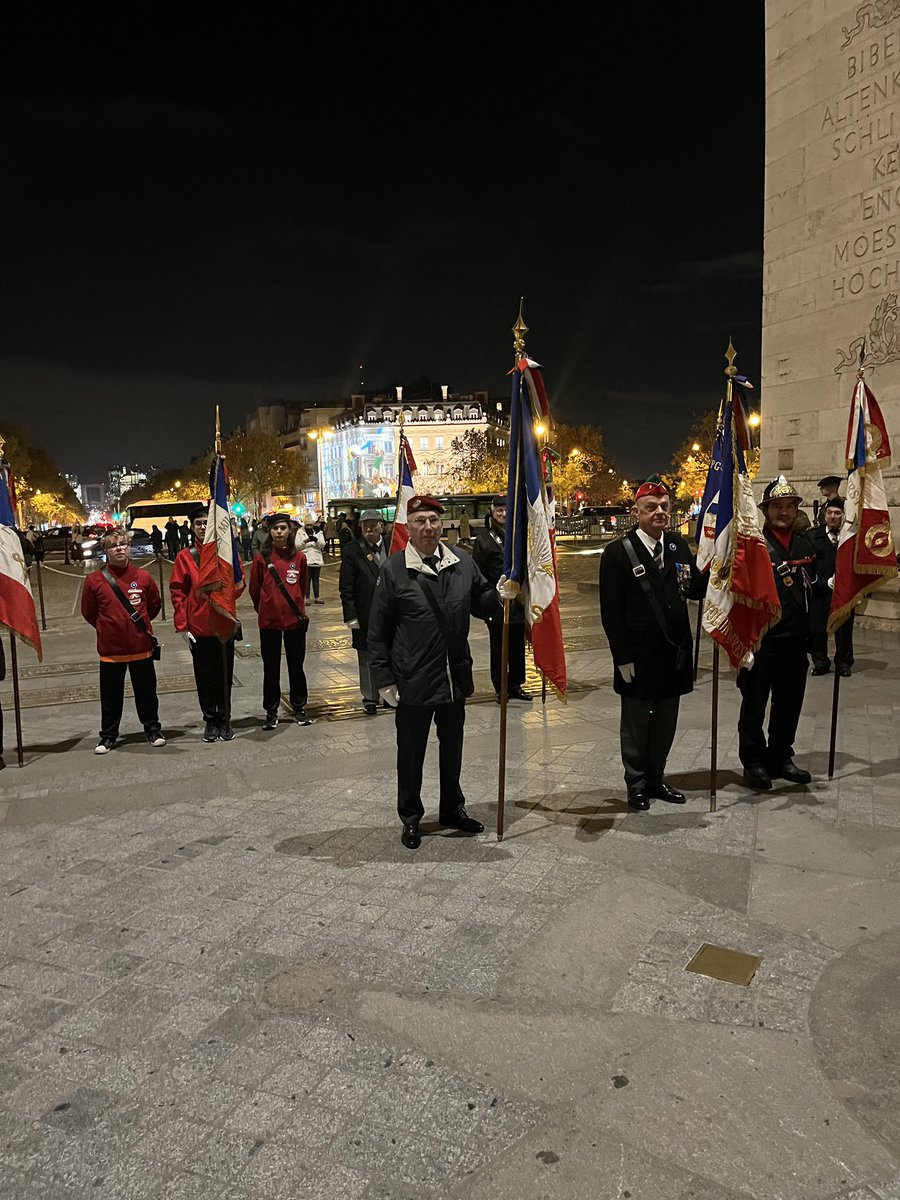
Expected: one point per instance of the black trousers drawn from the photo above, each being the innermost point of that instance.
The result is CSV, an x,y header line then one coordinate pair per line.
x,y
843,646
413,726
112,695
213,666
516,664
312,581
295,652
779,671
646,733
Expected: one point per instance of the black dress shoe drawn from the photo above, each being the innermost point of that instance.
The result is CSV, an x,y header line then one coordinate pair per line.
x,y
818,669
519,694
410,835
791,772
461,820
370,709
758,778
638,798
211,732
846,672
662,791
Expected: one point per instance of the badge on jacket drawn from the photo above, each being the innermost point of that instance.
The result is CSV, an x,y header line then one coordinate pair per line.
x,y
683,576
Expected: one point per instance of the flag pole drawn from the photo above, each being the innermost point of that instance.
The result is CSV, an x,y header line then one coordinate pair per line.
x,y
162,588
226,689
17,704
730,372
40,582
518,331
697,639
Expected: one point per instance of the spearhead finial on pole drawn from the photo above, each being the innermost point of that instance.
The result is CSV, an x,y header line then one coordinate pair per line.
x,y
731,355
218,433
862,358
519,330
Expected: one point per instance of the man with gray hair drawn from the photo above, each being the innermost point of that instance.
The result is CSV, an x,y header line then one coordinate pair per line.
x,y
360,563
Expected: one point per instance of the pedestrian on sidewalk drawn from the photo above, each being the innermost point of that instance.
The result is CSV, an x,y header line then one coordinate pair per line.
x,y
278,592
156,539
780,665
824,539
421,664
312,543
360,564
173,540
120,601
646,579
488,555
213,657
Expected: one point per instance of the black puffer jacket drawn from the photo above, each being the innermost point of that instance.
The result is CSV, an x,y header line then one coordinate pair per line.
x,y
406,645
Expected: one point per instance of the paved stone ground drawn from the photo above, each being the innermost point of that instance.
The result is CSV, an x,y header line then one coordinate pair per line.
x,y
223,978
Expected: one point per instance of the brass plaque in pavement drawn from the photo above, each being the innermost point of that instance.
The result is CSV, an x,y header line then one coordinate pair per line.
x,y
718,962
41,670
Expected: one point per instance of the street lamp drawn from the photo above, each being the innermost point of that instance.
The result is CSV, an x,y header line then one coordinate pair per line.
x,y
753,420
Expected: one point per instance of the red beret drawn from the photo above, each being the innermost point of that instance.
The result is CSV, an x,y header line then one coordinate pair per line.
x,y
651,488
421,503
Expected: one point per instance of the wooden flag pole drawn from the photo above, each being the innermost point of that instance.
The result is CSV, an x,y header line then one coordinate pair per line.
x,y
17,704
835,696
504,706
162,586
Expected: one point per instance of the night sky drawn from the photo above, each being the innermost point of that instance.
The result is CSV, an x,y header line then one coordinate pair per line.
x,y
247,210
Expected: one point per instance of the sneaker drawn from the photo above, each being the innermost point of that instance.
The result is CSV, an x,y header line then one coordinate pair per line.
x,y
226,733
155,737
302,717
318,602
211,732
104,746
271,721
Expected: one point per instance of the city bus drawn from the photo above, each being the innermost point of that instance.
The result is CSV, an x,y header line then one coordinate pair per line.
x,y
141,517
476,504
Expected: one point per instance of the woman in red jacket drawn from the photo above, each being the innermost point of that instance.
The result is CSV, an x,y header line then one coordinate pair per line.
x,y
278,591
120,602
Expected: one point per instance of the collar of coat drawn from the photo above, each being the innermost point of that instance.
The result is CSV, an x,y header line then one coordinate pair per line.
x,y
414,561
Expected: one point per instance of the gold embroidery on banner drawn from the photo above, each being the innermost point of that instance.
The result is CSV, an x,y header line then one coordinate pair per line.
x,y
878,540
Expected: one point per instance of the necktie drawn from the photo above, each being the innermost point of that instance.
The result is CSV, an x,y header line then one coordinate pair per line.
x,y
658,555
834,537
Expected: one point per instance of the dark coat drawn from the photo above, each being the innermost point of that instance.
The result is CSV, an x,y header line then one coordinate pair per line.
x,y
795,597
356,586
488,555
406,645
820,600
663,661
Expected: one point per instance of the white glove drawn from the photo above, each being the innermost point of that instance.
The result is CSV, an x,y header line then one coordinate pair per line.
x,y
831,583
626,670
505,589
390,695
354,624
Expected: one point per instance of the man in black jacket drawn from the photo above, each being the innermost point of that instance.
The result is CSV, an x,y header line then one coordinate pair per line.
x,y
780,665
420,660
360,564
824,539
646,578
488,556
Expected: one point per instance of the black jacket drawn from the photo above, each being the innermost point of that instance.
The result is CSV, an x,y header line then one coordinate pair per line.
x,y
795,596
406,645
488,555
663,660
356,585
820,600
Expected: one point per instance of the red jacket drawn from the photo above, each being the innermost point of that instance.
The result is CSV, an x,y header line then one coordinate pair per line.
x,y
273,610
190,608
118,638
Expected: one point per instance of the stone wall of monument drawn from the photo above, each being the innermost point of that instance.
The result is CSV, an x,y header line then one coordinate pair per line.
x,y
832,231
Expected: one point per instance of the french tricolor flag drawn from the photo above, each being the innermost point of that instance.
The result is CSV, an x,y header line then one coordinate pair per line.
x,y
220,571
405,493
17,612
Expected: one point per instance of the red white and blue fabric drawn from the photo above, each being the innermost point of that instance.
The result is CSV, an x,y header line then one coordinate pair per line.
x,y
866,558
741,596
220,570
17,612
405,493
529,550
